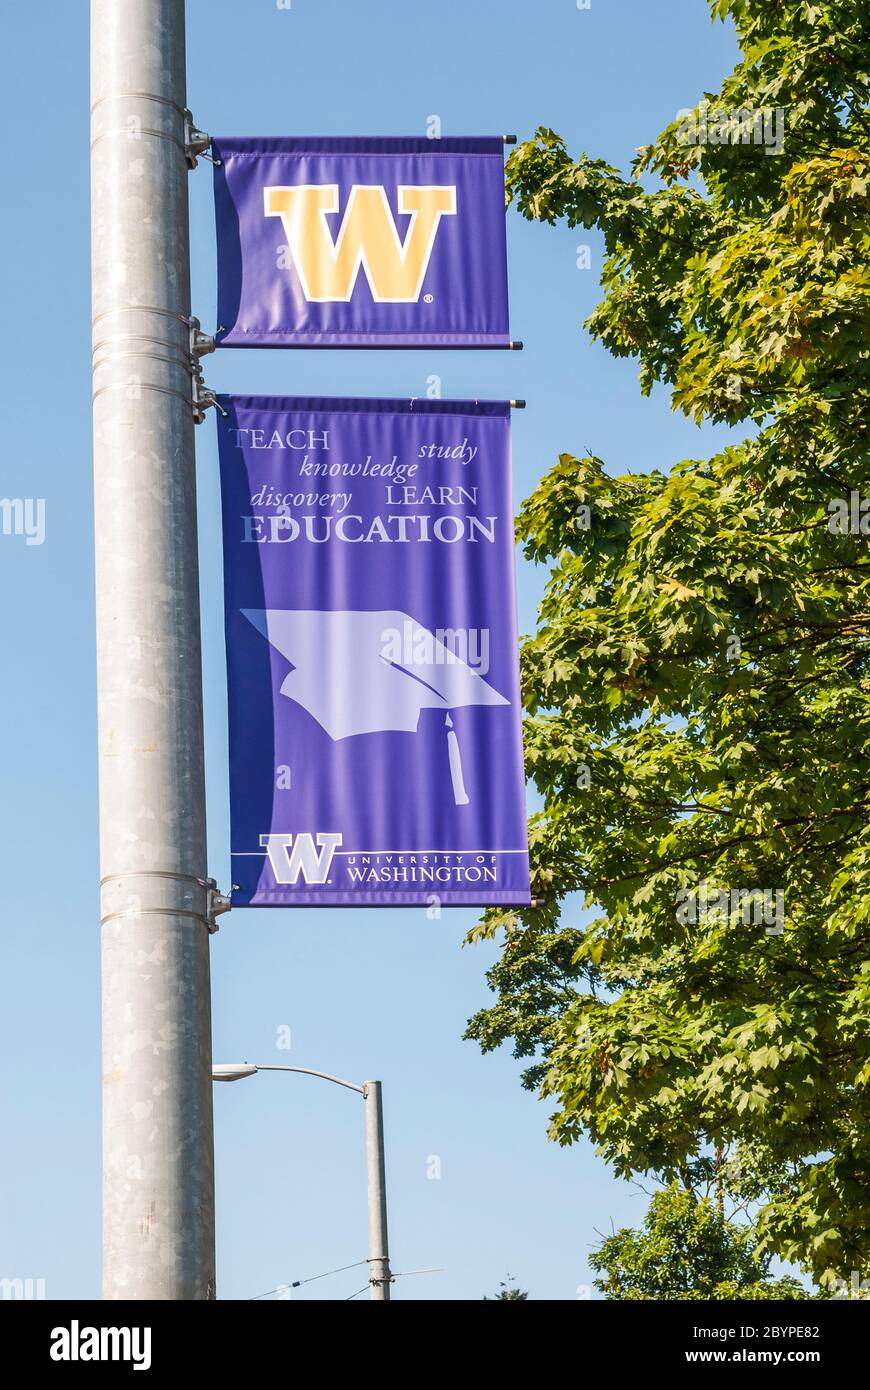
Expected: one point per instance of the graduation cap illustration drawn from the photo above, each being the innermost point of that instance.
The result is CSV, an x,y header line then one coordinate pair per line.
x,y
360,672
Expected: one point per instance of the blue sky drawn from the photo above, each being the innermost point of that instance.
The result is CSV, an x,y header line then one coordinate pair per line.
x,y
363,993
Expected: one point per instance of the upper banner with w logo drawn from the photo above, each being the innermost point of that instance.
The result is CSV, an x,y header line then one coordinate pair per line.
x,y
361,243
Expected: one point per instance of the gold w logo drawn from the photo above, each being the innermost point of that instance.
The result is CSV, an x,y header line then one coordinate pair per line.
x,y
367,237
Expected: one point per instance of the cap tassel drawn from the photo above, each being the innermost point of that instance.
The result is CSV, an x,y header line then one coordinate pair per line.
x,y
460,795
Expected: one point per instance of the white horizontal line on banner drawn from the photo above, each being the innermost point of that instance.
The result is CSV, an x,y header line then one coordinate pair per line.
x,y
261,853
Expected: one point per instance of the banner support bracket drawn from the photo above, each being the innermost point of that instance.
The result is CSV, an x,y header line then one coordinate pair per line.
x,y
204,399
201,344
196,142
217,904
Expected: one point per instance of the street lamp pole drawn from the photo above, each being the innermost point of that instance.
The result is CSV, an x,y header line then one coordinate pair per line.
x,y
379,1260
379,1255
158,1169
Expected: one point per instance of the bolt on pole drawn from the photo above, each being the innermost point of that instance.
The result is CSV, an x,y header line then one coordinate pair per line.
x,y
379,1256
158,1167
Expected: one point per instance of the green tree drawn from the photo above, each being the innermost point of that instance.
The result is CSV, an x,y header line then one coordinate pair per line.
x,y
687,1249
698,689
507,1293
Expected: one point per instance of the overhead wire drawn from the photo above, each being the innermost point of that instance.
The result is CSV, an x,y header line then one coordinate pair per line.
x,y
297,1283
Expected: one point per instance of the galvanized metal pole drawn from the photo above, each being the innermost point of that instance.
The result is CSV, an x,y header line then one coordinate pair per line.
x,y
379,1257
158,1169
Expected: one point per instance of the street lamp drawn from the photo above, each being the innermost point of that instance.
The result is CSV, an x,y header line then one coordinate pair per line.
x,y
379,1259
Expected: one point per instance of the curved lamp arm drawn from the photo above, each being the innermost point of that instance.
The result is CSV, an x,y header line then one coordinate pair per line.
x,y
237,1071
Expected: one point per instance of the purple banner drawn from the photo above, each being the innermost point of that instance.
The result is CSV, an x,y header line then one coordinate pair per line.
x,y
374,706
361,243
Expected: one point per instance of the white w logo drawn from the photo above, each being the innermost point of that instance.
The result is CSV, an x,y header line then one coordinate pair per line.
x,y
367,237
287,863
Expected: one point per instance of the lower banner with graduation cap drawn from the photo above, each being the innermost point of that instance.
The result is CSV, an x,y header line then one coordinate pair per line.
x,y
374,705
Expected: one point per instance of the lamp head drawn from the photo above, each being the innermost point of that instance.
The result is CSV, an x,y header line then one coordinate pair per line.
x,y
232,1071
